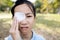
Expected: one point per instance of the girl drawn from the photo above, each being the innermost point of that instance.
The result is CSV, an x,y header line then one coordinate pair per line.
x,y
22,29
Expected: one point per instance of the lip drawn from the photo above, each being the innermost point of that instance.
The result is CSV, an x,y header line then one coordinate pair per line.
x,y
23,26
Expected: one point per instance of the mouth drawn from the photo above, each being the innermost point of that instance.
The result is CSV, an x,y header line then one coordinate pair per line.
x,y
23,27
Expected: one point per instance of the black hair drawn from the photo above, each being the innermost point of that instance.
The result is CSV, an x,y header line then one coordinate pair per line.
x,y
19,2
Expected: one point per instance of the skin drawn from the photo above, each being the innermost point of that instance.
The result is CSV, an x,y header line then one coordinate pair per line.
x,y
23,28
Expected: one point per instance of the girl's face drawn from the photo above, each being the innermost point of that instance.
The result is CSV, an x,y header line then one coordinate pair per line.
x,y
25,26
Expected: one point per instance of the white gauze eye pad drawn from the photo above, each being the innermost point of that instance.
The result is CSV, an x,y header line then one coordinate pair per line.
x,y
20,16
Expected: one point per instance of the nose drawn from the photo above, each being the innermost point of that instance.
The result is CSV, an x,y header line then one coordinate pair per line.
x,y
24,22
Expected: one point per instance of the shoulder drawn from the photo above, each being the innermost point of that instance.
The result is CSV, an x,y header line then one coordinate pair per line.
x,y
8,38
37,37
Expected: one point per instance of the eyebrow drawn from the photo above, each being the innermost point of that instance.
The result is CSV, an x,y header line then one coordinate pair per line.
x,y
28,13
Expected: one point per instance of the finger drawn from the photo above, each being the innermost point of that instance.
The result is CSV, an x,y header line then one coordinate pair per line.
x,y
16,25
13,24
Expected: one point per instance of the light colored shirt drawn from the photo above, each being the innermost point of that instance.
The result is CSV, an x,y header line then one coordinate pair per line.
x,y
35,37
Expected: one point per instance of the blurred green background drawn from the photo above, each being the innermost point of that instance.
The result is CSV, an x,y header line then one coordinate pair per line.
x,y
47,18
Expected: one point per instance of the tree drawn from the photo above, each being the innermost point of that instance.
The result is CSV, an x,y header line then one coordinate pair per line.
x,y
38,5
5,4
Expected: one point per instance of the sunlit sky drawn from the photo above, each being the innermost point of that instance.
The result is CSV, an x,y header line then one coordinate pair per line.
x,y
28,0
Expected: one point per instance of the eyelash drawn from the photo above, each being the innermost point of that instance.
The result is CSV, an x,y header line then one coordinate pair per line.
x,y
29,16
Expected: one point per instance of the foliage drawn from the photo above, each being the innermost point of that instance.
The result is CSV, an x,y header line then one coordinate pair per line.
x,y
48,6
42,6
5,4
38,5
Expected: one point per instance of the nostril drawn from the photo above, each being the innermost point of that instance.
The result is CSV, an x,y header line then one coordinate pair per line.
x,y
24,22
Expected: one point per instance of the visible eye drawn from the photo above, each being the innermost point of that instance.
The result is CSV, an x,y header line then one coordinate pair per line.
x,y
29,16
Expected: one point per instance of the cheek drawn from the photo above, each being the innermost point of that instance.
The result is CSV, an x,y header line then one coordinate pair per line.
x,y
31,21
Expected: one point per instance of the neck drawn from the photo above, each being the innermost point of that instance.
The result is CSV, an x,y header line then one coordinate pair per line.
x,y
27,35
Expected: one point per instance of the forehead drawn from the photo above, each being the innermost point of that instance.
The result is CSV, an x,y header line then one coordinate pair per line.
x,y
22,8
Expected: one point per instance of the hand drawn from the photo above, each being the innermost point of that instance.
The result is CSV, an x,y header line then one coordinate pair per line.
x,y
14,30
